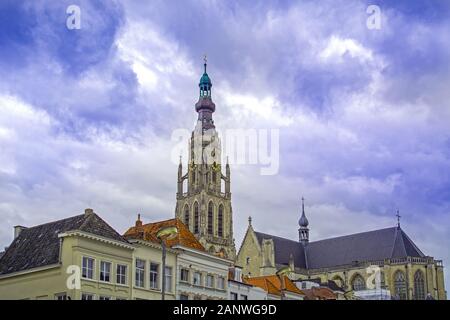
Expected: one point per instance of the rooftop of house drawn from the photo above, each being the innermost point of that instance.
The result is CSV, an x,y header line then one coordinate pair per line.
x,y
272,284
319,293
39,246
147,232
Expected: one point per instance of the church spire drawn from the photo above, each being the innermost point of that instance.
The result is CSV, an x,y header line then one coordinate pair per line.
x,y
303,231
205,106
207,199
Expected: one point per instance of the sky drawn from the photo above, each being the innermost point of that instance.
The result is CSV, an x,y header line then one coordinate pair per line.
x,y
87,115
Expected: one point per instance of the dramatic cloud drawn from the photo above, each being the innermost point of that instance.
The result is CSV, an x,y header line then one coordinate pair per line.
x,y
87,115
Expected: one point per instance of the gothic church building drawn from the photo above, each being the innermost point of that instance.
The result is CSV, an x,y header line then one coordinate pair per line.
x,y
349,261
204,205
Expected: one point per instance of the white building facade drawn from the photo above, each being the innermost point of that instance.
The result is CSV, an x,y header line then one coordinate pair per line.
x,y
239,290
201,275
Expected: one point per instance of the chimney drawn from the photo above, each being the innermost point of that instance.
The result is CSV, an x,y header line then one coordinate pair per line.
x,y
138,221
88,212
18,230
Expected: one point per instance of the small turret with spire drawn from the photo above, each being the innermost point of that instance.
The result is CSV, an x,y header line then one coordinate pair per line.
x,y
205,106
303,231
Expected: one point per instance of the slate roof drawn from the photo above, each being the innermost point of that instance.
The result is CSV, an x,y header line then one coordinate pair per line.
x,y
366,246
284,248
39,246
148,232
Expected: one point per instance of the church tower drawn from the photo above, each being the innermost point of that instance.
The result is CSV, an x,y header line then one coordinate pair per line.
x,y
205,207
303,231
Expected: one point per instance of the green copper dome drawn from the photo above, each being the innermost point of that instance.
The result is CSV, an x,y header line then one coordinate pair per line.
x,y
205,80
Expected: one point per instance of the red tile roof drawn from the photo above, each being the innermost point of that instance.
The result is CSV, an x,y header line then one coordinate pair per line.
x,y
148,232
319,293
272,284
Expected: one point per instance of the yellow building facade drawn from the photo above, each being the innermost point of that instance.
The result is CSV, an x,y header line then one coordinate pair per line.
x,y
66,278
81,257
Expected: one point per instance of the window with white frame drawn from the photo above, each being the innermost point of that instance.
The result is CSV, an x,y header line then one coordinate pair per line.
x,y
87,296
87,268
61,296
140,273
197,280
184,275
154,275
210,281
237,274
121,274
168,279
221,283
105,271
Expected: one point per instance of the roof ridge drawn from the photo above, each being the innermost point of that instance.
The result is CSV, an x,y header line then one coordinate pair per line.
x,y
393,243
167,220
52,222
305,246
272,236
404,235
351,234
107,224
86,219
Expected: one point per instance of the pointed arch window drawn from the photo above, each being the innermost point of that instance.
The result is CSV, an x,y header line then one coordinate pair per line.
x,y
358,283
196,218
210,218
220,221
338,280
383,281
419,285
400,285
186,215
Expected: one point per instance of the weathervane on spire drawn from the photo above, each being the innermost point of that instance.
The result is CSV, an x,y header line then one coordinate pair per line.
x,y
398,218
205,59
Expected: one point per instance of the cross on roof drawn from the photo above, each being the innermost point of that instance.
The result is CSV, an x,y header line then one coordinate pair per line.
x,y
398,218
